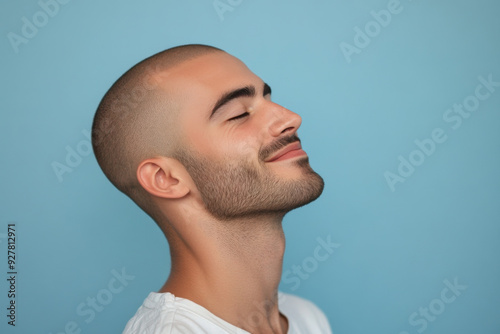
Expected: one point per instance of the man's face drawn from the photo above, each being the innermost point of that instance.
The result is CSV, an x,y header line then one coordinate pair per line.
x,y
234,137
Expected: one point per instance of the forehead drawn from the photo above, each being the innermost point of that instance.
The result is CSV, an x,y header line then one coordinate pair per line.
x,y
203,79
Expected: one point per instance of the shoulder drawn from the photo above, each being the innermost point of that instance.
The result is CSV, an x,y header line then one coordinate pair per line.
x,y
164,313
303,314
149,321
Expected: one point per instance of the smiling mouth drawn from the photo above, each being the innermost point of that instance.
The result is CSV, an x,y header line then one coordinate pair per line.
x,y
291,151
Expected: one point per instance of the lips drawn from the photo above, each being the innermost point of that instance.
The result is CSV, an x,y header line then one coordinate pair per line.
x,y
289,151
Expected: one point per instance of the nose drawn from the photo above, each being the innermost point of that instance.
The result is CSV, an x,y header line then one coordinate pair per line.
x,y
282,121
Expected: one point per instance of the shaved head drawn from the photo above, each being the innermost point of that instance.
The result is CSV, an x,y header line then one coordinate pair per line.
x,y
136,119
192,132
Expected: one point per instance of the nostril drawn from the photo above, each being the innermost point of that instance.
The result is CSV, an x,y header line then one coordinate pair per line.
x,y
287,129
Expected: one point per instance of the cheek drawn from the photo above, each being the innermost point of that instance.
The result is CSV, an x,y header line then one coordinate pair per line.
x,y
246,147
195,137
245,140
234,151
249,135
231,143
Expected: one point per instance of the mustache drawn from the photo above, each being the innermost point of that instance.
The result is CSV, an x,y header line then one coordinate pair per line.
x,y
277,145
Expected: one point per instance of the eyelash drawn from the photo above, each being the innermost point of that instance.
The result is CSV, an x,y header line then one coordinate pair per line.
x,y
246,113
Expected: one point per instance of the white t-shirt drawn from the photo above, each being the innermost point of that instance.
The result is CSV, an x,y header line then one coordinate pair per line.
x,y
166,314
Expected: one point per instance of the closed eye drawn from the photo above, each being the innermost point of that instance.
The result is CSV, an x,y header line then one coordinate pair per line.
x,y
239,116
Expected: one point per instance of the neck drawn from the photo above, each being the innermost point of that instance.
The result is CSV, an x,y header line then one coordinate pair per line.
x,y
233,269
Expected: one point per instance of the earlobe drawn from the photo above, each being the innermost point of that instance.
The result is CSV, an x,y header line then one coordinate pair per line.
x,y
159,177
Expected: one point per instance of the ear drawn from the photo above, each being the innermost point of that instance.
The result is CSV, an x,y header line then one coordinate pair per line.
x,y
162,177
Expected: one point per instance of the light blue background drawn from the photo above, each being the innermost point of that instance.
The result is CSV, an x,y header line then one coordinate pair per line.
x,y
396,247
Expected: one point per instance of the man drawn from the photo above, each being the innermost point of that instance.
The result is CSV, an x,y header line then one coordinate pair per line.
x,y
191,135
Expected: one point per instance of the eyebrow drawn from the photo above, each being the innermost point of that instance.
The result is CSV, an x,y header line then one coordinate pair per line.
x,y
248,91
